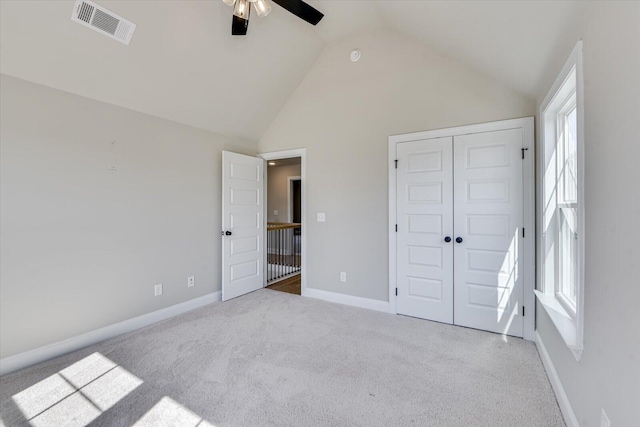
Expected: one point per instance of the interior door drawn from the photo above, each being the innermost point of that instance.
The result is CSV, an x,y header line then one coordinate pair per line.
x,y
425,219
488,187
242,224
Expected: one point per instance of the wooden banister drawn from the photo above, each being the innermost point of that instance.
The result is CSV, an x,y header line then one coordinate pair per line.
x,y
282,225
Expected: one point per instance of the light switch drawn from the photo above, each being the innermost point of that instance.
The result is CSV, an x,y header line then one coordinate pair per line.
x,y
321,217
275,212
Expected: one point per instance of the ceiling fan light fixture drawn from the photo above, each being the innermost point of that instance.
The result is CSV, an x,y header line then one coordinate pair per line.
x,y
242,9
229,2
263,7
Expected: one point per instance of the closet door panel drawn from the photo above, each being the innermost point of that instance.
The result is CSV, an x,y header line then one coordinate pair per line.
x,y
488,219
425,217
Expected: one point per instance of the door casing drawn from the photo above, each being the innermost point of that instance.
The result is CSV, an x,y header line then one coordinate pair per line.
x,y
528,169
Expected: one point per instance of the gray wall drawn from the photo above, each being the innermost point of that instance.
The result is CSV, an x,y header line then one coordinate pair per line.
x,y
277,191
83,244
343,113
608,374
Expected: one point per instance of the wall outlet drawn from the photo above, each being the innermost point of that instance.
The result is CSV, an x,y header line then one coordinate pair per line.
x,y
343,276
321,217
191,281
275,212
157,289
604,420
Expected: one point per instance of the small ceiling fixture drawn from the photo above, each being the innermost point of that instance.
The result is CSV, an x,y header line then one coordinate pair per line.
x,y
242,10
272,163
355,55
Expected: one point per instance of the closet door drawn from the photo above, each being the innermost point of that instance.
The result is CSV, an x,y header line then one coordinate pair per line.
x,y
425,218
488,186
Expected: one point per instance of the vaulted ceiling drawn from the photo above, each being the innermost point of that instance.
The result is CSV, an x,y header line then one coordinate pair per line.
x,y
184,65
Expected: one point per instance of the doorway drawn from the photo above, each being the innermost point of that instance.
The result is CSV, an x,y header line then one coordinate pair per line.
x,y
295,199
285,216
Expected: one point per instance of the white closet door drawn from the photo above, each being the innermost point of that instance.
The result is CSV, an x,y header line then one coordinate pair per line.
x,y
488,190
425,218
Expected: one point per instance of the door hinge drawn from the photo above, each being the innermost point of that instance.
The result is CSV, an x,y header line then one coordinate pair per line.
x,y
396,162
396,228
396,291
523,150
522,231
523,311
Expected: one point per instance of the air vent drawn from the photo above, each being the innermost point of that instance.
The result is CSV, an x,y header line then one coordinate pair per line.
x,y
103,21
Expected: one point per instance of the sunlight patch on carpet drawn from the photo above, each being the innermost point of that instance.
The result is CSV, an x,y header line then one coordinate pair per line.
x,y
76,395
167,412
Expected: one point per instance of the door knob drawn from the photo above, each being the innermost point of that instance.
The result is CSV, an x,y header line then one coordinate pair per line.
x,y
227,233
459,239
447,239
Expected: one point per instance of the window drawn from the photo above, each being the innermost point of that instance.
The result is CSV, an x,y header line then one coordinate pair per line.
x,y
567,203
561,214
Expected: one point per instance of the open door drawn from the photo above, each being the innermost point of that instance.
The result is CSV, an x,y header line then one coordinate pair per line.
x,y
242,224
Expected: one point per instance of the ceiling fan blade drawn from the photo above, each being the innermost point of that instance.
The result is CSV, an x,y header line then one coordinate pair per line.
x,y
239,26
301,10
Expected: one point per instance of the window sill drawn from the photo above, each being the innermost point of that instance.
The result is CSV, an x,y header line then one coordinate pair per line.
x,y
563,322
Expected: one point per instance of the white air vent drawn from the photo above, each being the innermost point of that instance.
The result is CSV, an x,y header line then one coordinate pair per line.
x,y
103,21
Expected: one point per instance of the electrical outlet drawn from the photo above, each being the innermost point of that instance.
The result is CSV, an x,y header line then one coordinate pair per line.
x,y
191,281
275,212
157,289
321,217
604,420
343,276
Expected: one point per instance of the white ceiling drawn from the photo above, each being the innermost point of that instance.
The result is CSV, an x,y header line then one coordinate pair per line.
x,y
184,65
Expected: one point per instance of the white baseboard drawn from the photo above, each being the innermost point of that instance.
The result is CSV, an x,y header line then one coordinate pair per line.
x,y
41,354
371,304
563,401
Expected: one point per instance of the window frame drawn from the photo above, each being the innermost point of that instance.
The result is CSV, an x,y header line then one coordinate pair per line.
x,y
567,317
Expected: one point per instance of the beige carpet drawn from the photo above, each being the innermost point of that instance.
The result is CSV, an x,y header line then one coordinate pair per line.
x,y
271,358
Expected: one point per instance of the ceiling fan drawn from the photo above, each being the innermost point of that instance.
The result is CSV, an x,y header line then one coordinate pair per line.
x,y
242,8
